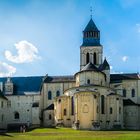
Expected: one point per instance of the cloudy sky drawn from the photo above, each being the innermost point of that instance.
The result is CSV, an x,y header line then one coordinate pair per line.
x,y
39,37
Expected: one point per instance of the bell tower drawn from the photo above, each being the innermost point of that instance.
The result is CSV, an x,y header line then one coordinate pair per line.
x,y
91,49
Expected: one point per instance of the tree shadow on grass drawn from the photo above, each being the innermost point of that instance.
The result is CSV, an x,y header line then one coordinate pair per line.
x,y
5,134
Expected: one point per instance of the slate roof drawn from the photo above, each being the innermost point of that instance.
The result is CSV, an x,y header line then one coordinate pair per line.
x,y
59,79
127,102
91,26
90,67
104,66
25,84
50,107
90,42
3,97
119,77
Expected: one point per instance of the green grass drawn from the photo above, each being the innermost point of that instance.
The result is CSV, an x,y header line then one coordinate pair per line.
x,y
70,134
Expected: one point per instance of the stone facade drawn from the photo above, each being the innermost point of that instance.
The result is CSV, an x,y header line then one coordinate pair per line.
x,y
93,98
20,102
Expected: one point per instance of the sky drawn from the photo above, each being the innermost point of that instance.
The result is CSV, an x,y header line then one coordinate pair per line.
x,y
39,37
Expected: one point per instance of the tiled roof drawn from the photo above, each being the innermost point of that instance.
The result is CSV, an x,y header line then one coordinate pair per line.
x,y
25,84
59,79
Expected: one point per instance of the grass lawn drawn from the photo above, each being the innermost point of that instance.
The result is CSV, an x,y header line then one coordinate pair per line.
x,y
70,134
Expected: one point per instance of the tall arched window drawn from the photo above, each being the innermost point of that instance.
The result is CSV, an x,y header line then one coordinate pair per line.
x,y
50,116
102,104
57,93
124,92
111,110
65,112
133,93
72,106
49,95
95,59
87,58
16,115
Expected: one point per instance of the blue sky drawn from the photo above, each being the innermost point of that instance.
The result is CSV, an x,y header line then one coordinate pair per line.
x,y
39,37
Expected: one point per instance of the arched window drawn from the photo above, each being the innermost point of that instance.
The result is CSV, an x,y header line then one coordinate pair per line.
x,y
111,110
57,93
124,92
133,93
50,116
49,95
59,101
72,106
95,59
87,58
88,81
65,112
119,110
85,108
16,115
102,104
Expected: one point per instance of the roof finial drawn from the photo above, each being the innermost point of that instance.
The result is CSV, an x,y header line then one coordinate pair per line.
x,y
91,11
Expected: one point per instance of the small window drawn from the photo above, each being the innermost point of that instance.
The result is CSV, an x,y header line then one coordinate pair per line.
x,y
49,95
50,116
124,92
59,101
57,93
119,110
65,112
111,110
88,81
133,93
16,115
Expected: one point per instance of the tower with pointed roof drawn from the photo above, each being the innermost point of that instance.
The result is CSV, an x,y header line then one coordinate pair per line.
x,y
91,49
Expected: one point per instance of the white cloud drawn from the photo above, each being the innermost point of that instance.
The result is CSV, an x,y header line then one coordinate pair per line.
x,y
111,67
138,27
26,52
124,58
6,69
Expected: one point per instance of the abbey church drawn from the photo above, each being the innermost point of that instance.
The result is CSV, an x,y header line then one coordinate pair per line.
x,y
92,99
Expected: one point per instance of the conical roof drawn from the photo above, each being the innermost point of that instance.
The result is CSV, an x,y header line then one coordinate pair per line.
x,y
91,26
104,66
